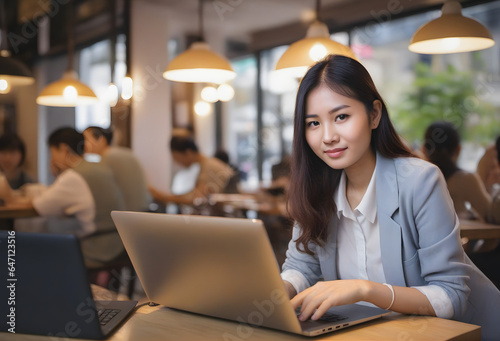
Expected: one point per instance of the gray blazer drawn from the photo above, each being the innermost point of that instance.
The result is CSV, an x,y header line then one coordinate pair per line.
x,y
419,240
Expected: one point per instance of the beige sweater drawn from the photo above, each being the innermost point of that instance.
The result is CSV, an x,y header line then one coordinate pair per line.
x,y
488,168
468,187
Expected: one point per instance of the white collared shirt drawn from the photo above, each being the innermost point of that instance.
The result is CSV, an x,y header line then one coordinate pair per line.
x,y
358,237
358,248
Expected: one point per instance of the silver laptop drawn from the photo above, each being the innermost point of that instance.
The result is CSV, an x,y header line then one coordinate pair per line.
x,y
221,267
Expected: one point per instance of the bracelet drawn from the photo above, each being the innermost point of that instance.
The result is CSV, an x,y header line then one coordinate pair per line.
x,y
393,295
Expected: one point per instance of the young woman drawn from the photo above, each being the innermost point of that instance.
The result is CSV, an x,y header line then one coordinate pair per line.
x,y
373,223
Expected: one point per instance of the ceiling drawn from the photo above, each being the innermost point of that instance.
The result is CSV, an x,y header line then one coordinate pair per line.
x,y
244,25
266,23
239,18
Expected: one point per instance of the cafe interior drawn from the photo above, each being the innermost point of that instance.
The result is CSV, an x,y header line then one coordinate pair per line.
x,y
223,75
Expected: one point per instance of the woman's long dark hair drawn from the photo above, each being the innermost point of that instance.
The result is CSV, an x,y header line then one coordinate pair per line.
x,y
310,201
442,141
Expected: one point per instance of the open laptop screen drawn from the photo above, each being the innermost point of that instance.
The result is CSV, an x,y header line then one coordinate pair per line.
x,y
45,289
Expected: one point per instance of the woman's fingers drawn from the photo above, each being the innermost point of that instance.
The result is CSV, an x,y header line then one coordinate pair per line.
x,y
309,300
308,308
325,305
299,298
316,300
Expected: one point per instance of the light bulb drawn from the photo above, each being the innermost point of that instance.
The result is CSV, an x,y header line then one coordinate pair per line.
x,y
225,92
317,52
450,44
209,94
112,94
202,108
127,88
70,94
4,86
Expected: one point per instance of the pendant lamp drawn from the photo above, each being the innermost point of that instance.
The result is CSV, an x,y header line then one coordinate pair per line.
x,y
13,73
315,46
68,91
198,64
451,33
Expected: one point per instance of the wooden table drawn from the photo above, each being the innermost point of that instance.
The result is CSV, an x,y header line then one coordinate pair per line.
x,y
13,211
258,202
17,210
478,230
161,323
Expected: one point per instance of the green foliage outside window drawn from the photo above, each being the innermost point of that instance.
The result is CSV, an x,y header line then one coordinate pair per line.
x,y
451,95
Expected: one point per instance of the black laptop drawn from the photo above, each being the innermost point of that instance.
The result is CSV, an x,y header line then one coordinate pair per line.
x,y
44,289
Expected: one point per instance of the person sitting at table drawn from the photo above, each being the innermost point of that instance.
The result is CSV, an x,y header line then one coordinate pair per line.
x,y
488,167
442,147
372,222
233,182
126,168
280,177
80,199
212,177
275,194
12,155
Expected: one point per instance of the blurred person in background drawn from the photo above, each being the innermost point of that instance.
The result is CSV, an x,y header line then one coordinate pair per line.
x,y
277,191
80,200
212,177
280,174
12,155
469,195
488,167
233,182
125,166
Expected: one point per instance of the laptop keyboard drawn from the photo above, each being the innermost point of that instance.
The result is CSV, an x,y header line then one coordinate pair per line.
x,y
327,317
331,317
105,315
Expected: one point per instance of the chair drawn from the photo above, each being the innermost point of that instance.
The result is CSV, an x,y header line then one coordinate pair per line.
x,y
112,268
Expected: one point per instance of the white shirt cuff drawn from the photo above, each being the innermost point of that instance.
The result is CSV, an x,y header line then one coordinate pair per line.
x,y
296,279
439,300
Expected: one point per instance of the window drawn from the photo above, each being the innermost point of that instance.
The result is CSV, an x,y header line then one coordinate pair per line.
x,y
278,96
95,60
465,87
420,89
276,121
241,118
